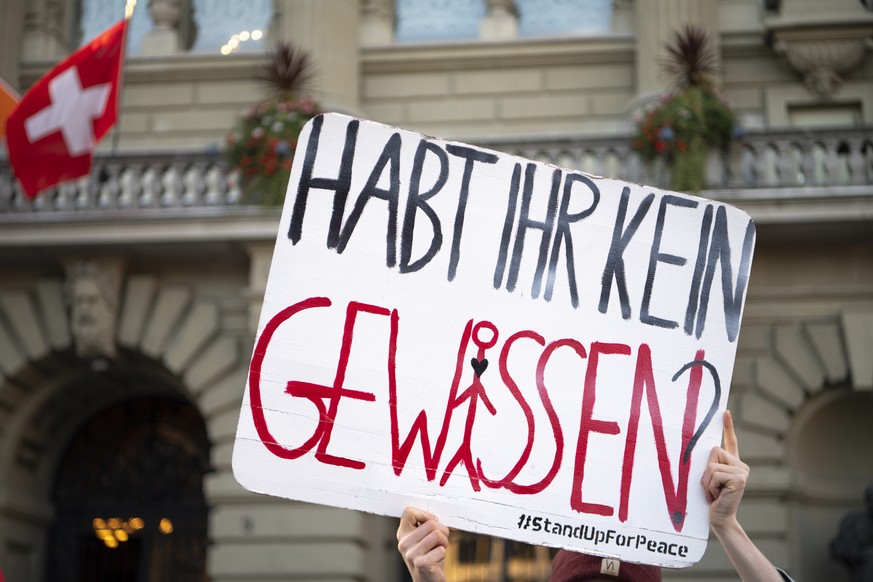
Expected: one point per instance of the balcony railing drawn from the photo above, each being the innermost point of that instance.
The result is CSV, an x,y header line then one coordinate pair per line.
x,y
830,161
785,159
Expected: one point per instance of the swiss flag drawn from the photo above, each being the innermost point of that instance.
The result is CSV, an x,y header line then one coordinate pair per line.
x,y
52,133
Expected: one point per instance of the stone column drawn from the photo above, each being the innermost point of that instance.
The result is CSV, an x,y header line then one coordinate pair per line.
x,y
500,21
328,29
656,21
377,22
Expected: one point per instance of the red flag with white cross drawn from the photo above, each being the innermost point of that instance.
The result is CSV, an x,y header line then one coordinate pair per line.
x,y
52,133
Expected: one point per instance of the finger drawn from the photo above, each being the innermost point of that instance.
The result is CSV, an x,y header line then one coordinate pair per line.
x,y
411,518
730,436
410,544
424,543
430,561
433,540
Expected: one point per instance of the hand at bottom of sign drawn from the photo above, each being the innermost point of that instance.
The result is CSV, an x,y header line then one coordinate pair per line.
x,y
724,482
422,541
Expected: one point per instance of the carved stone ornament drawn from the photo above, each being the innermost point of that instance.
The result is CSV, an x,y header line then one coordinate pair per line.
x,y
823,58
93,292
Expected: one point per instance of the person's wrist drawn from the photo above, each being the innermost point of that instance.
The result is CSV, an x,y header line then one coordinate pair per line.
x,y
726,526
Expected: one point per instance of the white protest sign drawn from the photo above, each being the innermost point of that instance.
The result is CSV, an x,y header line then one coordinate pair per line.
x,y
526,351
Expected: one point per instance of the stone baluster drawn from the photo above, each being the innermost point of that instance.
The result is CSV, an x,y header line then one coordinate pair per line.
x,y
87,193
163,38
859,169
130,187
43,200
193,181
613,166
589,162
833,164
603,155
171,181
151,187
752,159
548,155
867,154
65,200
109,189
715,175
786,170
566,159
735,161
216,183
7,190
633,167
500,21
234,191
20,202
811,164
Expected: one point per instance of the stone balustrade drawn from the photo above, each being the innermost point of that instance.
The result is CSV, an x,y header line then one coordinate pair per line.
x,y
784,159
180,181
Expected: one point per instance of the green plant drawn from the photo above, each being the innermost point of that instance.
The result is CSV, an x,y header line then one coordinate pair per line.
x,y
262,144
689,120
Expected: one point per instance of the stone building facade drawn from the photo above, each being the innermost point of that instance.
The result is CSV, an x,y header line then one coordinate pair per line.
x,y
129,300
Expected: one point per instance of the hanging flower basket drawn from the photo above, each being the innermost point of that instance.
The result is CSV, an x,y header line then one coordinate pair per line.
x,y
687,122
261,146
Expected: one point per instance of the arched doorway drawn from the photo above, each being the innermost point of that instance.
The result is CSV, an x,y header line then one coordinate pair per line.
x,y
128,496
831,454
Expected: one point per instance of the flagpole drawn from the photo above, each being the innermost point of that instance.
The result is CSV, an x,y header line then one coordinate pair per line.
x,y
129,7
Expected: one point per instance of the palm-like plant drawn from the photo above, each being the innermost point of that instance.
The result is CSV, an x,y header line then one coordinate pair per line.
x,y
691,59
287,72
262,145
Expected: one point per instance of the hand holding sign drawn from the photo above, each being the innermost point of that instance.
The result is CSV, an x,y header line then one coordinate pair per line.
x,y
422,541
725,478
724,481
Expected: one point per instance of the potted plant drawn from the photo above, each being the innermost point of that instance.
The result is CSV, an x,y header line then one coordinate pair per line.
x,y
261,146
690,119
